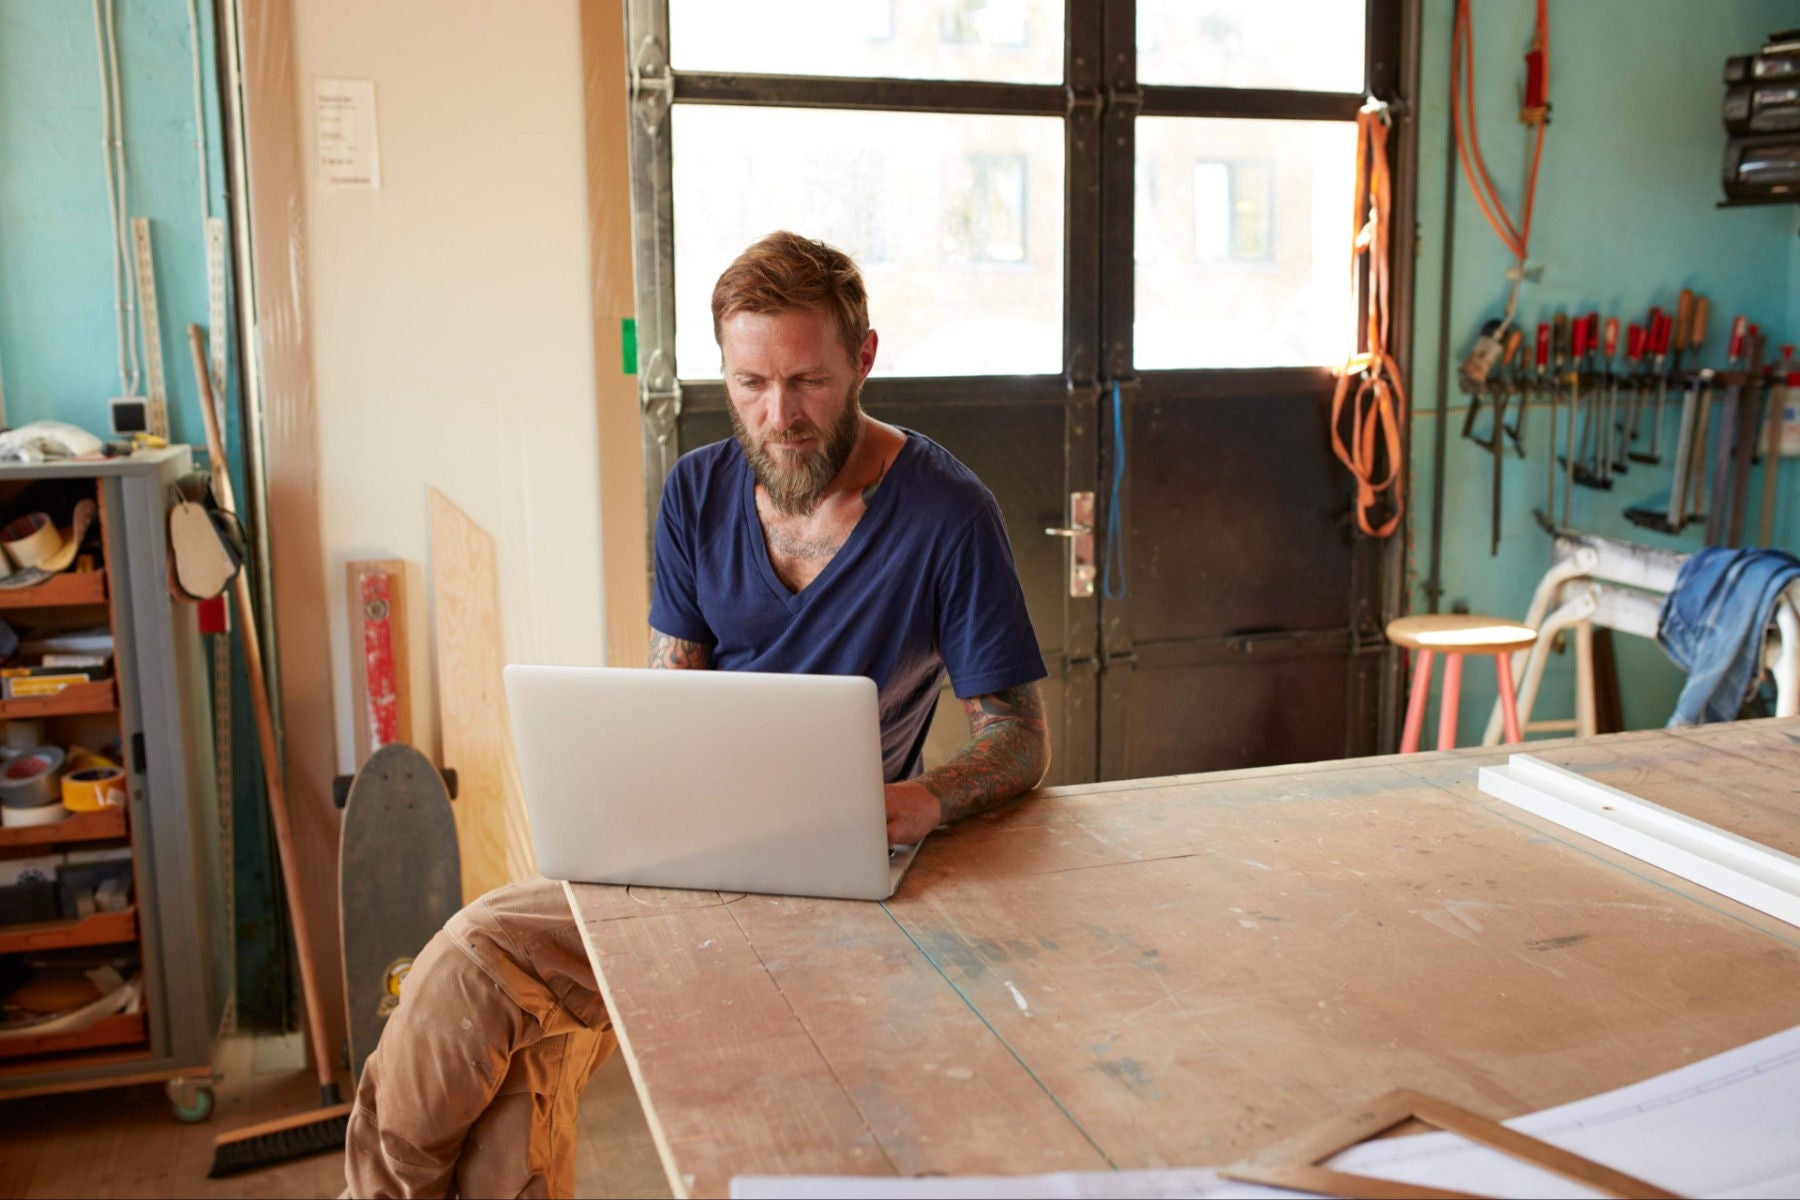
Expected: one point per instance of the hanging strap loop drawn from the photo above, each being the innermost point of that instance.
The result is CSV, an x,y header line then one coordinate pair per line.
x,y
1373,449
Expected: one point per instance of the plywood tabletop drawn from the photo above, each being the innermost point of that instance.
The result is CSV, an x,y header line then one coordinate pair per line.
x,y
1173,973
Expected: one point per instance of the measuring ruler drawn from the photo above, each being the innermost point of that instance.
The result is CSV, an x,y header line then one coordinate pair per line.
x,y
151,328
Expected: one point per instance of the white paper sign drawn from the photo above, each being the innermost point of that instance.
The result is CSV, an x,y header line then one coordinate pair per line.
x,y
345,115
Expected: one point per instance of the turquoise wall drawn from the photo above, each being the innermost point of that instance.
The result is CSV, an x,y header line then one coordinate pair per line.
x,y
1626,218
58,340
57,331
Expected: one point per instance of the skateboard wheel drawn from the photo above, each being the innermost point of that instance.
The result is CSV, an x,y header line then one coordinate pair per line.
x,y
191,1103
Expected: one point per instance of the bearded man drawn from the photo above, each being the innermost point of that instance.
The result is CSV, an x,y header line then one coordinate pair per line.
x,y
819,540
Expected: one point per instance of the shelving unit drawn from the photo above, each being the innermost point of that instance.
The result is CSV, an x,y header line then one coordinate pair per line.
x,y
155,707
65,590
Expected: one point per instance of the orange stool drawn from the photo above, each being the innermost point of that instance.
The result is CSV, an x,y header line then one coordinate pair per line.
x,y
1454,635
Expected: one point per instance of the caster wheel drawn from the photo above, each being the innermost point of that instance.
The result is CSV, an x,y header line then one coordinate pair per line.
x,y
190,1102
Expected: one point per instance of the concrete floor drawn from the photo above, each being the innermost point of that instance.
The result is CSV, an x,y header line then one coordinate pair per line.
x,y
124,1142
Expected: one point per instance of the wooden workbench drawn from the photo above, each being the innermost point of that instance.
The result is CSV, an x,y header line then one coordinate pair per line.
x,y
1174,972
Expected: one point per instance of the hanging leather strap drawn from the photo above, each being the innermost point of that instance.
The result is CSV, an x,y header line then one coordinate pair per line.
x,y
1373,449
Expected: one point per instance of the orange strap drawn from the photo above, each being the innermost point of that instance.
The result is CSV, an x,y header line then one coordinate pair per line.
x,y
1374,422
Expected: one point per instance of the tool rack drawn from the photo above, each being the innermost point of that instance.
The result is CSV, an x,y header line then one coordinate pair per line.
x,y
156,707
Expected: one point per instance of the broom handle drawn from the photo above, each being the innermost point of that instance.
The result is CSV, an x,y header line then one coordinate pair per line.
x,y
265,732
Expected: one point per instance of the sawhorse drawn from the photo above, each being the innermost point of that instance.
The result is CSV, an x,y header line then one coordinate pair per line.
x,y
1620,585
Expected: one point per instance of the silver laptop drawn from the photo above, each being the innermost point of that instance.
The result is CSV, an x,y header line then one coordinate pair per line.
x,y
726,780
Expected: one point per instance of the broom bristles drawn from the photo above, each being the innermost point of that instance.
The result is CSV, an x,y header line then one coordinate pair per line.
x,y
303,1135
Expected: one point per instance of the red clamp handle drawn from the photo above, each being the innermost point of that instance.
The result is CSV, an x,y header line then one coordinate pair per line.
x,y
1634,343
1543,345
1578,337
1736,346
1659,333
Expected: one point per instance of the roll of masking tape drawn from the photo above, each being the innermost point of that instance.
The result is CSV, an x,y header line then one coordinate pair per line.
x,y
93,788
31,539
37,814
30,779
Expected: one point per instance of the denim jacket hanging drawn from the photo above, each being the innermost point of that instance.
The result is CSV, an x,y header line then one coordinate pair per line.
x,y
1713,623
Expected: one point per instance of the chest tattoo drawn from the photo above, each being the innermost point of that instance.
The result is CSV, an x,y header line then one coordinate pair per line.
x,y
802,548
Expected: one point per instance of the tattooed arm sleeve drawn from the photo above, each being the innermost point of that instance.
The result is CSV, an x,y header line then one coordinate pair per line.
x,y
1007,754
674,654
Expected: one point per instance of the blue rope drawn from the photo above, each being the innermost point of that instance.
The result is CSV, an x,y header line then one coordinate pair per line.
x,y
1115,546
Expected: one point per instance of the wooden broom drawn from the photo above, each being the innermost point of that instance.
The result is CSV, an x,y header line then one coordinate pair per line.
x,y
317,1130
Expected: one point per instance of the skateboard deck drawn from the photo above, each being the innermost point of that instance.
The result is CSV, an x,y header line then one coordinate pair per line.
x,y
399,880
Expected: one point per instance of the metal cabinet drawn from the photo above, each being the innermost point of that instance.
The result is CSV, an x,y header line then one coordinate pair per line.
x,y
156,709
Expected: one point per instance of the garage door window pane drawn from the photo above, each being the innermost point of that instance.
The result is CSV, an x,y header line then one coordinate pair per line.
x,y
1005,41
956,222
1304,45
1242,242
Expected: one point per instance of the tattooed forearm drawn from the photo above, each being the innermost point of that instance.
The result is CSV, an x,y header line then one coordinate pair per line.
x,y
674,654
1006,755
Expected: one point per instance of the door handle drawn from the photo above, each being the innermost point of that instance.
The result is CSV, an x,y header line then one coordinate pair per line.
x,y
1080,532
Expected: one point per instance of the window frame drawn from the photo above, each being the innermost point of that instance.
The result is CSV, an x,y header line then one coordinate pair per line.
x,y
1098,101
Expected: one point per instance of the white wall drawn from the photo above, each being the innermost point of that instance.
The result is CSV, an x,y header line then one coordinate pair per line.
x,y
452,324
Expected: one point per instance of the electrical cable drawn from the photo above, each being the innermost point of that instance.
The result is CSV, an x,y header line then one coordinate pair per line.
x,y
1514,235
112,197
112,145
133,335
199,118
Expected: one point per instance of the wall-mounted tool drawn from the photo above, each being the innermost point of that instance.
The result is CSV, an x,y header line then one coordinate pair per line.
x,y
1739,422
1613,461
1634,371
1779,392
1544,382
1492,376
1687,334
1589,467
1503,382
1556,382
1483,355
1656,346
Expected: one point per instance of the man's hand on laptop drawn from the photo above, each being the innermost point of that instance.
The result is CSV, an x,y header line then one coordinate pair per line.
x,y
912,812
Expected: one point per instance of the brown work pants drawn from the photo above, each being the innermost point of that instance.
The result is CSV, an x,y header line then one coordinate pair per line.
x,y
474,1087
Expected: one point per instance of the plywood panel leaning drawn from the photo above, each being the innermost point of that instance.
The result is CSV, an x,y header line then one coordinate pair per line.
x,y
477,735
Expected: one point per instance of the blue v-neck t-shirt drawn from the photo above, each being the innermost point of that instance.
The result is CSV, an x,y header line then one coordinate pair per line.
x,y
924,584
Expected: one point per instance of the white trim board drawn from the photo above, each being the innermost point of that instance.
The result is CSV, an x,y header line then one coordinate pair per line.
x,y
1749,872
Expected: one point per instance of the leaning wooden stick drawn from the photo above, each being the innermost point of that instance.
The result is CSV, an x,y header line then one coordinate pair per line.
x,y
324,1130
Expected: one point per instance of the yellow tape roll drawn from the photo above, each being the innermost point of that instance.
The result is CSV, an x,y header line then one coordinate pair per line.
x,y
93,788
31,539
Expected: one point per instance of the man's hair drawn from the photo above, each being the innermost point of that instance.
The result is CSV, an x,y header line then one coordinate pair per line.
x,y
785,271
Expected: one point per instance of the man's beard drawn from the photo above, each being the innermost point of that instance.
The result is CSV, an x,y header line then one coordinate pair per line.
x,y
795,489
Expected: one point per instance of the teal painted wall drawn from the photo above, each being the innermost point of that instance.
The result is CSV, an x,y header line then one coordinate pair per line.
x,y
58,340
56,294
1626,218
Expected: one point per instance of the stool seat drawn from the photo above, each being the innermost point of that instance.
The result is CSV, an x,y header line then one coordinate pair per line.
x,y
1460,633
